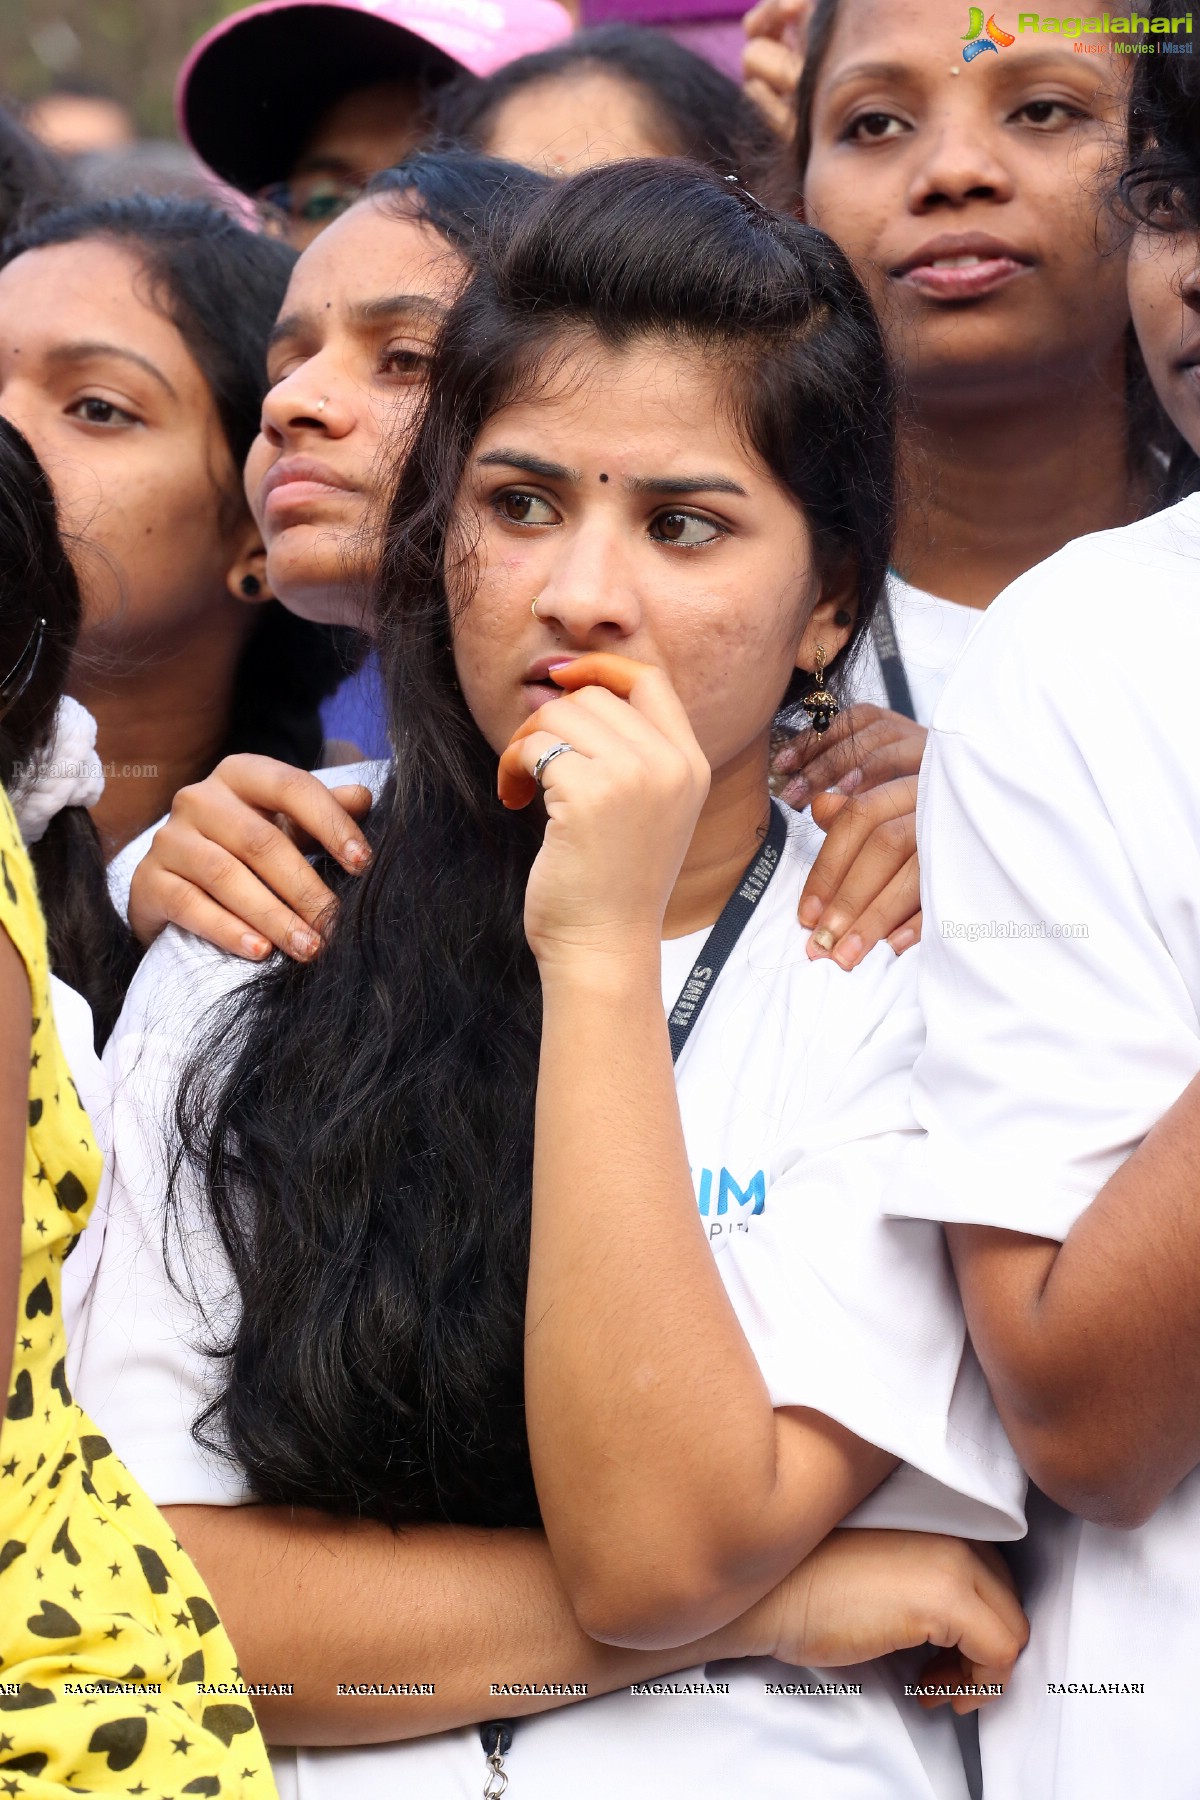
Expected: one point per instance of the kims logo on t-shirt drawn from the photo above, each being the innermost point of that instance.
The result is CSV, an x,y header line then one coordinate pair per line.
x,y
734,1204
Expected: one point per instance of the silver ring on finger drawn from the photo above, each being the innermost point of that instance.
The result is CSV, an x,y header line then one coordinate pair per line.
x,y
548,756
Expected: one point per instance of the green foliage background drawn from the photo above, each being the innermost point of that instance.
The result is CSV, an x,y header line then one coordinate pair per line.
x,y
133,47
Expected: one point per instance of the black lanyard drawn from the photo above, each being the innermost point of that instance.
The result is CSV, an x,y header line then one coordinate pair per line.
x,y
497,1735
891,663
719,944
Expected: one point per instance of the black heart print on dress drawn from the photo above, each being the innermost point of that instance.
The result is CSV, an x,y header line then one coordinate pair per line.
x,y
227,1722
40,1300
70,1193
58,1381
153,1568
62,1546
52,1621
32,1763
26,1697
10,1553
121,1741
203,1784
204,1616
20,1401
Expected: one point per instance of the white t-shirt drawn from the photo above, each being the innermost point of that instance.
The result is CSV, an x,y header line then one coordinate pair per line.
x,y
930,633
1059,826
794,1095
78,1045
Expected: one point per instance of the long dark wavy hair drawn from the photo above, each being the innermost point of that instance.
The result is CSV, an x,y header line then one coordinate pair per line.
x,y
362,1128
91,948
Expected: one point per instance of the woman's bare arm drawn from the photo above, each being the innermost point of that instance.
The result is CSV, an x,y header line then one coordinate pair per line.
x,y
315,1601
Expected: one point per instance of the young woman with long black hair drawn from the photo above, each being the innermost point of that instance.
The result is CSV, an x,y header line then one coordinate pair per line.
x,y
137,375
658,430
1061,986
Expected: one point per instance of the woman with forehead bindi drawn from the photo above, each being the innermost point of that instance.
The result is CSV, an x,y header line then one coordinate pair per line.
x,y
561,1160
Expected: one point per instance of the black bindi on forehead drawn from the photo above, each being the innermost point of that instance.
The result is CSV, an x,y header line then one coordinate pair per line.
x,y
604,478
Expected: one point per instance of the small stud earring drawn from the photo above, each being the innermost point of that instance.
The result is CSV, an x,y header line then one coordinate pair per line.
x,y
251,586
819,703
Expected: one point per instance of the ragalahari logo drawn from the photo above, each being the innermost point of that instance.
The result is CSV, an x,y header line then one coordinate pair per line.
x,y
975,40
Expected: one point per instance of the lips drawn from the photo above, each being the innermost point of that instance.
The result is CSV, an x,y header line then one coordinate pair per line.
x,y
297,480
962,266
536,685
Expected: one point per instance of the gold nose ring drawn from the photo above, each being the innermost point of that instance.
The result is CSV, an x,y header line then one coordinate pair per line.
x,y
533,608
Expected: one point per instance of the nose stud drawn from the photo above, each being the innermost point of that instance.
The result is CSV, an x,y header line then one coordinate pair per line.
x,y
321,405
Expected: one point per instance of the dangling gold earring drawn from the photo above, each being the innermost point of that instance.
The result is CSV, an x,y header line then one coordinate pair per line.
x,y
819,703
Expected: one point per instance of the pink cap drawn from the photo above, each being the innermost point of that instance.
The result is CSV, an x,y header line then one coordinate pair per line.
x,y
253,89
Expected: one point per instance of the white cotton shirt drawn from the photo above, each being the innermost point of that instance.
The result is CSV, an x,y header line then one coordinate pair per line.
x,y
931,634
1059,825
794,1095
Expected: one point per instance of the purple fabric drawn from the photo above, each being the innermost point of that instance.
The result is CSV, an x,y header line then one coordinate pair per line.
x,y
712,28
357,712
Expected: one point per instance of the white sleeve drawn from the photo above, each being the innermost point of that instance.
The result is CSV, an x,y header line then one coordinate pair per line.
x,y
123,866
1060,879
143,1372
858,1317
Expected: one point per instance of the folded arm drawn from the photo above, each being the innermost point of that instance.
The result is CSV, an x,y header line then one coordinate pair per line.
x,y
674,1494
1091,1347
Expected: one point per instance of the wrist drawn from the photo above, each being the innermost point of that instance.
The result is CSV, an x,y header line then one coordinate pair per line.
x,y
606,962
756,1632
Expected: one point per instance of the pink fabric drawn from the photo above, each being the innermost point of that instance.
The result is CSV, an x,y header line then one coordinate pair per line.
x,y
479,34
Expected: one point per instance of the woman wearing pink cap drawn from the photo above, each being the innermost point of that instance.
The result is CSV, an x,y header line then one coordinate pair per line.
x,y
298,102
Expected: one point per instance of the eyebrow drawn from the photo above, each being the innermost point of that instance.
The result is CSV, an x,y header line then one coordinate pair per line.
x,y
88,351
684,484
873,71
532,465
392,306
369,313
637,484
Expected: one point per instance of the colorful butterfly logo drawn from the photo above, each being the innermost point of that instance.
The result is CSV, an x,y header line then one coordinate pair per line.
x,y
996,39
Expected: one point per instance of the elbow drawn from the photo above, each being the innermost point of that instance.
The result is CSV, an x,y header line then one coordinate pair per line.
x,y
1121,1490
649,1603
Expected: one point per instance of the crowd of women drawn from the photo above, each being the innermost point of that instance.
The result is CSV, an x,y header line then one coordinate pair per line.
x,y
517,1269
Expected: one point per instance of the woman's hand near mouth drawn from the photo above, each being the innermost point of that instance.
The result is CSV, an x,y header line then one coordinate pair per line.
x,y
621,807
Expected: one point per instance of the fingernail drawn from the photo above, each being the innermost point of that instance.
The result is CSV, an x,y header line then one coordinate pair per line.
x,y
849,782
810,910
903,940
824,940
303,944
357,853
849,951
255,947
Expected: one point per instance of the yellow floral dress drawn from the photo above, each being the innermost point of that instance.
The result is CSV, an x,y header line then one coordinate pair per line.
x,y
108,1639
